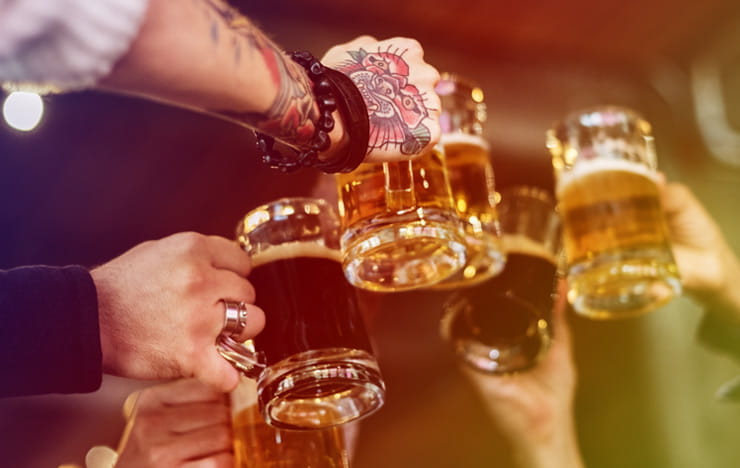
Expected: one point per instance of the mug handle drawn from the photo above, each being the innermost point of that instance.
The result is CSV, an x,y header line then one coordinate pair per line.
x,y
399,186
248,362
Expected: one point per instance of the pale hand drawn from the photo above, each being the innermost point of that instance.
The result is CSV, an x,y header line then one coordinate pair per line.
x,y
534,408
160,312
182,424
398,88
709,268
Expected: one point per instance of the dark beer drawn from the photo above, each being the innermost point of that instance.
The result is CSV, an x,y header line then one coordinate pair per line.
x,y
318,368
503,324
308,302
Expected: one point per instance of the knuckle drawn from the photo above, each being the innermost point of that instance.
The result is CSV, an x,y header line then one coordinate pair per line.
x,y
145,399
363,39
191,241
192,279
161,456
413,44
222,460
249,294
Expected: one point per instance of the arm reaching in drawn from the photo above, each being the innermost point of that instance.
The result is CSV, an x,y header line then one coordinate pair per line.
x,y
709,268
534,409
178,424
207,56
160,312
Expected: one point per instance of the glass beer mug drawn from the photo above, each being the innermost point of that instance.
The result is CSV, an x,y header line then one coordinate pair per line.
x,y
314,364
259,445
503,325
471,179
619,260
400,228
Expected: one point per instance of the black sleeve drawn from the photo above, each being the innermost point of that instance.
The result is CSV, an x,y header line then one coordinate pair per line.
x,y
49,333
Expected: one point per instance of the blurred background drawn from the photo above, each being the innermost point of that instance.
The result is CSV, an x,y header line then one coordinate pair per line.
x,y
102,173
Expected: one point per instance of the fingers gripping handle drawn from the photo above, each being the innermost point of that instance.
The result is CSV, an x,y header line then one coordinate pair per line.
x,y
248,362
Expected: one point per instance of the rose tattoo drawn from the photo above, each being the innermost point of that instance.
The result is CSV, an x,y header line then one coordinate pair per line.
x,y
395,107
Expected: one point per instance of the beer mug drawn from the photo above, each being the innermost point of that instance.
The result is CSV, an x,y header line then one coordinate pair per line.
x,y
471,179
619,259
259,445
400,229
313,363
503,324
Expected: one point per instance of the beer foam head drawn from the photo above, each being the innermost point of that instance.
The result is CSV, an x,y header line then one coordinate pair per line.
x,y
294,250
520,244
585,167
463,138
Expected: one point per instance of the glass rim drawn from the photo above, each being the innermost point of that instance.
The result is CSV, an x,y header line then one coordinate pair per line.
x,y
280,209
269,207
530,191
577,116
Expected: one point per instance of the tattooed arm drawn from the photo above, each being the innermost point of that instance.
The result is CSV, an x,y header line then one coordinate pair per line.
x,y
398,88
205,55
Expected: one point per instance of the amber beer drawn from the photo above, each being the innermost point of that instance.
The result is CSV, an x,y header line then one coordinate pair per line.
x,y
462,120
400,229
615,234
503,324
473,193
259,445
610,206
619,261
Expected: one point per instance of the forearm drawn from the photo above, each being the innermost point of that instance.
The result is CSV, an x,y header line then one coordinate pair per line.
x,y
204,55
560,450
49,342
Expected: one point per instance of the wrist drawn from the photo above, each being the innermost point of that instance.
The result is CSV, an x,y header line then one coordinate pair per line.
x,y
112,351
550,441
339,139
560,450
340,104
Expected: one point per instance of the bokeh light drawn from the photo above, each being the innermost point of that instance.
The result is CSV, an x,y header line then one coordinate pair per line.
x,y
23,110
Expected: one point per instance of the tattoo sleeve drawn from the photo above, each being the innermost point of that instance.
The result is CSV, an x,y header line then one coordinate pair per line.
x,y
291,117
396,108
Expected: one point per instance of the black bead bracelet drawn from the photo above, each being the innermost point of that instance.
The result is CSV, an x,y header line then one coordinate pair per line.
x,y
332,90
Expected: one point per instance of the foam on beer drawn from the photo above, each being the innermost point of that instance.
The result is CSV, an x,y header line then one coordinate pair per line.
x,y
458,138
585,167
294,250
520,244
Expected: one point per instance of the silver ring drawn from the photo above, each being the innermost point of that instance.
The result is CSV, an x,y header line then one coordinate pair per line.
x,y
235,317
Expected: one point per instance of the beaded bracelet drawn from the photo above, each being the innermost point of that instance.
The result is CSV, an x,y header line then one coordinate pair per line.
x,y
333,90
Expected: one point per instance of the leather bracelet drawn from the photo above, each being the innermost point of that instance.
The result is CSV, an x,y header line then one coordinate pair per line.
x,y
333,90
